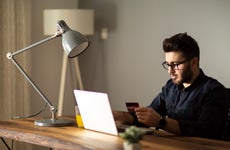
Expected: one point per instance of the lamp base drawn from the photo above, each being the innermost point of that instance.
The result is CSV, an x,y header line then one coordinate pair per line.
x,y
54,123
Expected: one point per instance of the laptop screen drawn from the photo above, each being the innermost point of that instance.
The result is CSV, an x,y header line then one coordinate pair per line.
x,y
96,111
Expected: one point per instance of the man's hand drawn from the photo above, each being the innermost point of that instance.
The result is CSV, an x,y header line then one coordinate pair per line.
x,y
122,117
147,116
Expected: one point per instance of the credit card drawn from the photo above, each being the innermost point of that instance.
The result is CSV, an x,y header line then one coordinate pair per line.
x,y
131,106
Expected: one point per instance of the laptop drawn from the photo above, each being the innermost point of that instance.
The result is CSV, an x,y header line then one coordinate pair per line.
x,y
96,112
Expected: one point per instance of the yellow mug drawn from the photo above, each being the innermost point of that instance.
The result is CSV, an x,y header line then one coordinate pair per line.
x,y
78,118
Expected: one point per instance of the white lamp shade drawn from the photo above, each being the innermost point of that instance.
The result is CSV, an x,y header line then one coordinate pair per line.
x,y
81,20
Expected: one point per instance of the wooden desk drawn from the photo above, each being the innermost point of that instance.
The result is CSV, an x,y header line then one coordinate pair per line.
x,y
73,138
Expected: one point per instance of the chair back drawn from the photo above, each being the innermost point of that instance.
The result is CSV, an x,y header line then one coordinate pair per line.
x,y
227,130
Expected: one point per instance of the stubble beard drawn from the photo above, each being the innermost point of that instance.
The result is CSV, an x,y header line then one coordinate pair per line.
x,y
185,76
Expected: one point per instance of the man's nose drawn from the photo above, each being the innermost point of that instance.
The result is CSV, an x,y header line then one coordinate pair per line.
x,y
171,69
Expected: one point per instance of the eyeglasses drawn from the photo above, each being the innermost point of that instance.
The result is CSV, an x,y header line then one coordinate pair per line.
x,y
174,65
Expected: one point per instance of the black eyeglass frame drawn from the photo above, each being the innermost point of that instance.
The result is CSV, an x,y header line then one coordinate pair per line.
x,y
175,65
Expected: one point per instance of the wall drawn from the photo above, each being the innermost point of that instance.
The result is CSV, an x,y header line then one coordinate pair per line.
x,y
128,64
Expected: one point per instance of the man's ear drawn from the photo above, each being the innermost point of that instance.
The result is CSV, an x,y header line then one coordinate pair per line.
x,y
195,61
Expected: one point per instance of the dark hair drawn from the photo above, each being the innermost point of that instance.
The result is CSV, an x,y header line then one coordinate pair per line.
x,y
183,43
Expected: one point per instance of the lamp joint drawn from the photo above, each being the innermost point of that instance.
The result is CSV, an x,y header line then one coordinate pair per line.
x,y
9,55
53,109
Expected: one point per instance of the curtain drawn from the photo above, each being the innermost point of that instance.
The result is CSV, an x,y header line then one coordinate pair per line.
x,y
15,26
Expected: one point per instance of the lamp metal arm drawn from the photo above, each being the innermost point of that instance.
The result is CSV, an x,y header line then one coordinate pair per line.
x,y
31,82
73,43
53,109
10,56
33,45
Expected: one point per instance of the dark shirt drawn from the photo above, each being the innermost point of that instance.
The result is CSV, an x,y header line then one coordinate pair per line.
x,y
201,109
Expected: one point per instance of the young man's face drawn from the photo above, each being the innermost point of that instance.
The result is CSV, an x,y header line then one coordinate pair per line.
x,y
179,69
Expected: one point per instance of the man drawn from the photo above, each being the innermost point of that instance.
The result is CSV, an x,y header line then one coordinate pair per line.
x,y
191,103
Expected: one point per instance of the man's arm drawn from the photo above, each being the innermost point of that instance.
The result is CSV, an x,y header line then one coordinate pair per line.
x,y
172,126
150,117
122,117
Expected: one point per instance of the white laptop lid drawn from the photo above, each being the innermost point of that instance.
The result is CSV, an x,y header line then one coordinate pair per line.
x,y
95,111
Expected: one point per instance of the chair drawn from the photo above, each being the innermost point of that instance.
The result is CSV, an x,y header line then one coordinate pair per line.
x,y
227,129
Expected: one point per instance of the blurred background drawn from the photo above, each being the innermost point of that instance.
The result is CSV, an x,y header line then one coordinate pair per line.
x,y
125,55
127,64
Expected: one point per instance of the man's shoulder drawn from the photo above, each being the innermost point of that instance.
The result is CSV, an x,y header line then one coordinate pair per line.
x,y
170,83
170,86
208,81
212,82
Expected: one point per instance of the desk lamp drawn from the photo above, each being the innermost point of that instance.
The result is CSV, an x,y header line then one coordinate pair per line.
x,y
74,43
